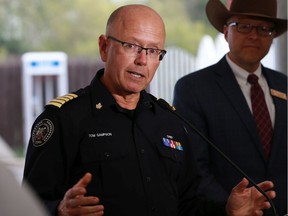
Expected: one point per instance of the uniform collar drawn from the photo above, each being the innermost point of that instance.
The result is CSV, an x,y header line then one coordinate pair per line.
x,y
101,97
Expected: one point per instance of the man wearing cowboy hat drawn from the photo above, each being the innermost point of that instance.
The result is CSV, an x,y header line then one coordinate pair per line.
x,y
217,100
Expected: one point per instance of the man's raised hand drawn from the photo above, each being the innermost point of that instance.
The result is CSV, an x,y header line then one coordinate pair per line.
x,y
76,203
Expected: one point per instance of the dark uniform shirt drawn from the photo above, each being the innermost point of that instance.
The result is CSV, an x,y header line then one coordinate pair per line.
x,y
141,161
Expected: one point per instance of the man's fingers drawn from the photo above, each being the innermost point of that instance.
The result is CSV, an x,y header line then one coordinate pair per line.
x,y
80,206
271,194
265,204
86,210
75,203
259,213
79,188
241,186
84,181
266,185
85,201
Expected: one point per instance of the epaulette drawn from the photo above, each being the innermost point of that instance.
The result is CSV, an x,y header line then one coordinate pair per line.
x,y
60,101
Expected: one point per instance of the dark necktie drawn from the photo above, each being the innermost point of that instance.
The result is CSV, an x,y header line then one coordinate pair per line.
x,y
261,114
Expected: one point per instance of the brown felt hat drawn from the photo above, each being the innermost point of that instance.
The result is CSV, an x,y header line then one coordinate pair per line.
x,y
218,14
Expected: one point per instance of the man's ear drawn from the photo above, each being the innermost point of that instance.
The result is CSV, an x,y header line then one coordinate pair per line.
x,y
103,48
225,31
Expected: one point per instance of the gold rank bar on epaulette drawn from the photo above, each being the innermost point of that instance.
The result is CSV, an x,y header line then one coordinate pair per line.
x,y
59,101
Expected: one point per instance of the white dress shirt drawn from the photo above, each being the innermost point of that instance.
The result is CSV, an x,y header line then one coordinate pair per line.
x,y
241,77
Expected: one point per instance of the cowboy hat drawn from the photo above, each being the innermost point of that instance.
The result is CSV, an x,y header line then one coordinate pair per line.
x,y
218,14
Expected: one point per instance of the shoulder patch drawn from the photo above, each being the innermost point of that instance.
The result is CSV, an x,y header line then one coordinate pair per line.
x,y
42,132
60,101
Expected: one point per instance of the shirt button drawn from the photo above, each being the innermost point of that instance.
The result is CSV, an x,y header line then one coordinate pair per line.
x,y
107,155
142,151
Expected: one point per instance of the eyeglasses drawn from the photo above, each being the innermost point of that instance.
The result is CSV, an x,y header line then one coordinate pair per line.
x,y
264,31
135,49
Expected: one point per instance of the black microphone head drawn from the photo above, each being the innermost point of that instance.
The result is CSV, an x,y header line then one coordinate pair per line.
x,y
165,105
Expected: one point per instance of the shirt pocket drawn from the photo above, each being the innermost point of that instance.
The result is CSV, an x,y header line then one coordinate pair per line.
x,y
102,149
105,158
172,159
171,149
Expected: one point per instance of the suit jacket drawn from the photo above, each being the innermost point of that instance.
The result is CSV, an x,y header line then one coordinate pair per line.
x,y
212,100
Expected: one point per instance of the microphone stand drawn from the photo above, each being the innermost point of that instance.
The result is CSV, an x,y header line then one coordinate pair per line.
x,y
172,109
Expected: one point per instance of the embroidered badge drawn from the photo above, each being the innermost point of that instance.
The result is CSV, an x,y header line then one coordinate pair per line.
x,y
172,144
42,132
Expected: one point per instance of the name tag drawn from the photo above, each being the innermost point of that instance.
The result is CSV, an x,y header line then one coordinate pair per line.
x,y
278,94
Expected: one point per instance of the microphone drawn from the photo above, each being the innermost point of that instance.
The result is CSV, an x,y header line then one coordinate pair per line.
x,y
172,109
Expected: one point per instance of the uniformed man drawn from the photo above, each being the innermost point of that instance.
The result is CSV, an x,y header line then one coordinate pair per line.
x,y
110,147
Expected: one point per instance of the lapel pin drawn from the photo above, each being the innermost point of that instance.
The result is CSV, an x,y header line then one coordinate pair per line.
x,y
98,106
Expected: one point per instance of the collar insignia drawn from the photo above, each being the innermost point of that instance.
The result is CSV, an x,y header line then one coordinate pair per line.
x,y
98,106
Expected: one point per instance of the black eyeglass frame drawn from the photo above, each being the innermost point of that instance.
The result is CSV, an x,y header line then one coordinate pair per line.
x,y
260,29
161,52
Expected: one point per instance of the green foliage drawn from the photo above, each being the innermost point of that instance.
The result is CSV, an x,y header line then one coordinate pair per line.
x,y
13,46
196,10
73,26
182,30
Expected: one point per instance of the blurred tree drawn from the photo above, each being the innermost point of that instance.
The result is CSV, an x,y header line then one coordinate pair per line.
x,y
73,26
181,31
76,28
196,10
10,41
